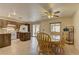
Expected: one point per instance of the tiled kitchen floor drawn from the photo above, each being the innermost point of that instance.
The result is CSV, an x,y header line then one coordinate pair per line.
x,y
30,48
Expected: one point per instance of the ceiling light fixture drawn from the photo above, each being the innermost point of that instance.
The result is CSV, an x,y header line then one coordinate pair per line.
x,y
50,16
9,15
12,14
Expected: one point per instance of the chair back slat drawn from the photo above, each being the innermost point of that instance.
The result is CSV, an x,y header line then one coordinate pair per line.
x,y
44,42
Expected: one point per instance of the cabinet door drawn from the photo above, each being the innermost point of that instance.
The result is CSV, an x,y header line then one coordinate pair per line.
x,y
1,40
28,36
1,23
7,40
4,24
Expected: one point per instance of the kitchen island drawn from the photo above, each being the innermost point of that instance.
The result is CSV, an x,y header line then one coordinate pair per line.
x,y
5,39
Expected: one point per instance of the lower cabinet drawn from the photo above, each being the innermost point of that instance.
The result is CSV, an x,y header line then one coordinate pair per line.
x,y
5,40
24,36
1,40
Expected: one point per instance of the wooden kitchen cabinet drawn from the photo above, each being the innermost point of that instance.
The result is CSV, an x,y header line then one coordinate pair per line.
x,y
24,36
1,40
5,40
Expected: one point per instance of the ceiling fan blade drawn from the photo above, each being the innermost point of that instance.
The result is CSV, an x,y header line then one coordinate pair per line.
x,y
47,13
57,12
43,16
56,15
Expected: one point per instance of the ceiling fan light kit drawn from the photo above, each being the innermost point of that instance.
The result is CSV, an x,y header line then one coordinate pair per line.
x,y
50,16
50,13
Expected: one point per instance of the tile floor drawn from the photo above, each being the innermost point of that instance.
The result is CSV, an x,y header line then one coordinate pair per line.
x,y
30,48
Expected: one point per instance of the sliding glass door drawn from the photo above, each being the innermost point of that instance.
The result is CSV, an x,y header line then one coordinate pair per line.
x,y
35,28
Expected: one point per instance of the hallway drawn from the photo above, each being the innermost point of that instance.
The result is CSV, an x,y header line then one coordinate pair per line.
x,y
29,48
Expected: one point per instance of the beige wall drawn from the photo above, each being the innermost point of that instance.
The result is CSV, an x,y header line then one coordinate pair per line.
x,y
76,29
65,21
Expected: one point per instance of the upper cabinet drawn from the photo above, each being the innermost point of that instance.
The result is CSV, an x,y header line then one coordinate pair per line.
x,y
4,24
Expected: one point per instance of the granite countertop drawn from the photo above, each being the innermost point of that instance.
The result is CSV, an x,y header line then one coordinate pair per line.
x,y
23,32
5,33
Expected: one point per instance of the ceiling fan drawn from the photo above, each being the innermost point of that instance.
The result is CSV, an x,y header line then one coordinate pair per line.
x,y
50,13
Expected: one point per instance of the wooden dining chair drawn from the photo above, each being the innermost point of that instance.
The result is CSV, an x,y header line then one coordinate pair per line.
x,y
44,43
61,46
46,46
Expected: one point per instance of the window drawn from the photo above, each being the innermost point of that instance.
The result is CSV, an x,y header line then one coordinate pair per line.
x,y
56,37
36,28
55,27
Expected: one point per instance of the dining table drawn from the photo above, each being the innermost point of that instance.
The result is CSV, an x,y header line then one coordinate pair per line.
x,y
57,47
